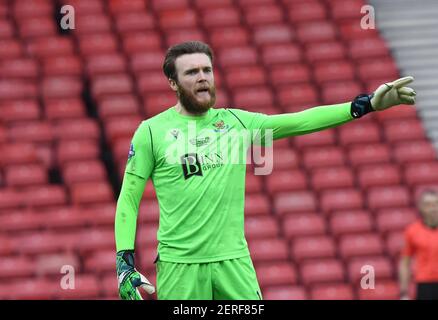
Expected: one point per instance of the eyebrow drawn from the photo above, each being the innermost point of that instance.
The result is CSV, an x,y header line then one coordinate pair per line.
x,y
195,69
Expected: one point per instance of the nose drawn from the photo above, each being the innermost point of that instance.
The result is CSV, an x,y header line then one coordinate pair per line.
x,y
202,76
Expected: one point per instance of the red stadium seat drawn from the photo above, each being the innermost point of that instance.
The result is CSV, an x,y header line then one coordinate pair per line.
x,y
346,9
303,248
281,54
147,259
6,29
421,173
175,19
383,174
282,158
106,63
34,8
388,196
253,97
257,204
229,36
110,287
86,287
45,196
121,127
285,293
297,95
289,74
131,22
210,4
321,51
86,7
323,138
350,222
339,291
244,4
286,180
51,264
253,183
149,209
22,68
256,15
401,112
160,5
273,34
20,220
320,271
100,261
142,42
97,43
68,65
151,82
10,48
353,133
10,198
180,35
114,106
91,192
382,266
395,243
261,227
366,244
332,177
403,130
246,76
37,132
349,29
338,92
33,27
378,69
66,219
384,290
334,71
146,61
395,219
369,154
341,199
32,289
220,17
276,274
368,48
77,129
293,202
17,89
147,235
155,103
18,153
62,87
41,243
19,110
314,31
26,175
66,108
323,157
104,85
94,240
51,46
237,56
414,151
83,171
119,6
303,224
92,23
268,250
305,11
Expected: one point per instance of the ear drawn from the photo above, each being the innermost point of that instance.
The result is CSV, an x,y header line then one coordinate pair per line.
x,y
173,84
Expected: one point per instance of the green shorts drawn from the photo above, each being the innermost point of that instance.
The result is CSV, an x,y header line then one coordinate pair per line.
x,y
233,279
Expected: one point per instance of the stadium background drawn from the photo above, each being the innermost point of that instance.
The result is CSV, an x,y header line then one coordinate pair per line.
x,y
71,99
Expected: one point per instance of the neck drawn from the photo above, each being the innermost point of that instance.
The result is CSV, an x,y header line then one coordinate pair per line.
x,y
182,110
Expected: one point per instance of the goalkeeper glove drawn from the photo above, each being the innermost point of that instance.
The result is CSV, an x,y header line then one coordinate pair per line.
x,y
387,95
129,279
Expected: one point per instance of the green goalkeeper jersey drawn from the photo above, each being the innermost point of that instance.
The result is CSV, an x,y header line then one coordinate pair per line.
x,y
197,165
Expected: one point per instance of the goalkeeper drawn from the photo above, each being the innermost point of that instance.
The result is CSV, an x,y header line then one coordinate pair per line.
x,y
202,250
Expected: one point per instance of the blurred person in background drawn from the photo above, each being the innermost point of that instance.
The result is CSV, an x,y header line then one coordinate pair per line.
x,y
421,244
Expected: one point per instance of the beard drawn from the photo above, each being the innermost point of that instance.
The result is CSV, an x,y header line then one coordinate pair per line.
x,y
190,102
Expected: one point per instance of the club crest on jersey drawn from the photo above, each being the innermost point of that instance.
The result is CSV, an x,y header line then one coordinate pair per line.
x,y
131,152
220,126
175,133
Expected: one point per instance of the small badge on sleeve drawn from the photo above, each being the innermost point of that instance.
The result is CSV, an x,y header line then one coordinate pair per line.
x,y
131,152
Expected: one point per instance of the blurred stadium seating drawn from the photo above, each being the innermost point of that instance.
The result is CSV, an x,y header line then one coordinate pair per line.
x,y
71,100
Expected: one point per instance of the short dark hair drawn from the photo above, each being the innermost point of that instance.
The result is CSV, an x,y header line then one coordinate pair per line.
x,y
177,50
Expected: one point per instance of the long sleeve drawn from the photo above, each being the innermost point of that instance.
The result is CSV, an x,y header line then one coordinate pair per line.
x,y
138,170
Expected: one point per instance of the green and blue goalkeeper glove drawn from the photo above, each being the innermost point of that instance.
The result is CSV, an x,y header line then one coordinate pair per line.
x,y
129,279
